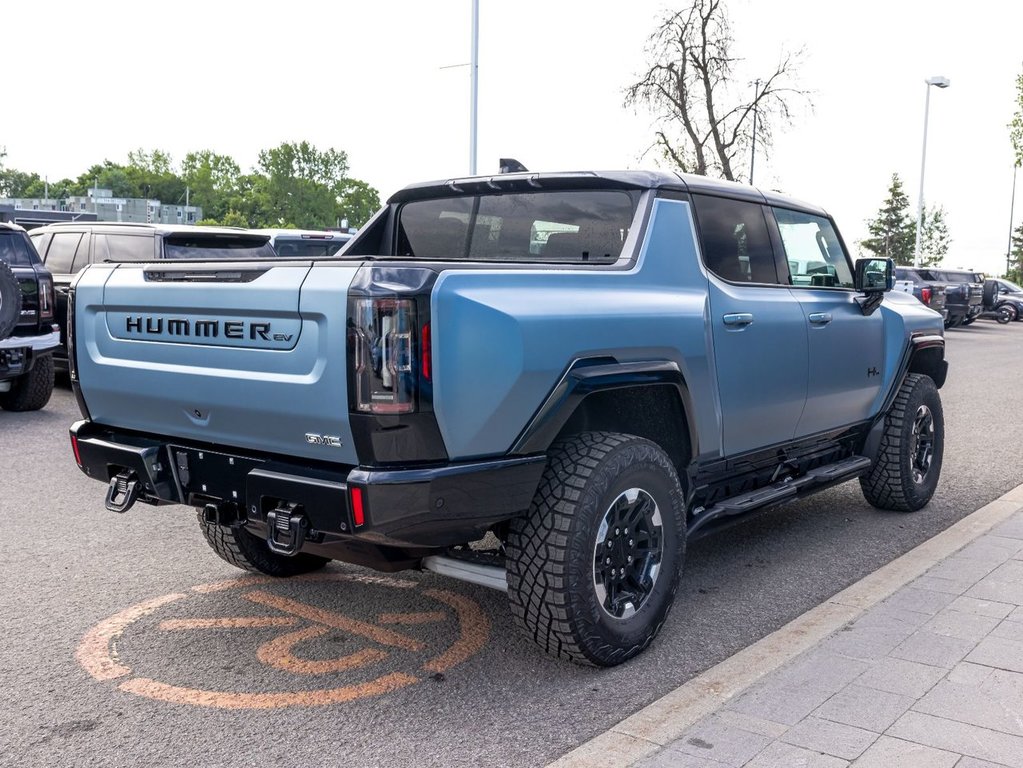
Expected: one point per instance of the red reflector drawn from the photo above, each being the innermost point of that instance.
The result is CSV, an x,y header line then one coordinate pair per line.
x,y
427,354
74,447
925,295
358,514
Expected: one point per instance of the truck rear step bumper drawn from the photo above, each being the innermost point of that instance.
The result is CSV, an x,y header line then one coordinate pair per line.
x,y
422,507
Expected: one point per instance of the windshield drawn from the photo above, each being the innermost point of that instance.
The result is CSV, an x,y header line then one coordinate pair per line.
x,y
217,247
16,250
574,226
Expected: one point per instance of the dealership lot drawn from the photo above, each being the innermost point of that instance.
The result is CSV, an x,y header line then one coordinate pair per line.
x,y
125,647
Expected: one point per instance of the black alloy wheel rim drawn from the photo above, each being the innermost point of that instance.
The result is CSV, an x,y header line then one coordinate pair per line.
x,y
923,443
627,554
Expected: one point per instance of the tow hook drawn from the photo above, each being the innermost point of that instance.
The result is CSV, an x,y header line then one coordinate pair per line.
x,y
122,492
286,529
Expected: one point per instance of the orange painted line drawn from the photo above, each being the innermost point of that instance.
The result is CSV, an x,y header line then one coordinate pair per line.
x,y
244,581
96,654
475,631
422,617
335,620
251,581
277,653
240,622
173,694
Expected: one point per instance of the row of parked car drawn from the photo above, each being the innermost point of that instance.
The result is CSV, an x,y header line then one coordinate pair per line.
x,y
961,296
37,268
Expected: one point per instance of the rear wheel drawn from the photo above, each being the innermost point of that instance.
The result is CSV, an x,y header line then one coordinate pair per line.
x,y
32,390
594,566
242,549
908,463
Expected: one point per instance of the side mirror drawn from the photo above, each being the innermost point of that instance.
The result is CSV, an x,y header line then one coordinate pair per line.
x,y
874,275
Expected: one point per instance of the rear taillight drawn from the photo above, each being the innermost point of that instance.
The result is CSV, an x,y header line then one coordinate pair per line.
x,y
358,508
384,355
45,299
925,295
426,352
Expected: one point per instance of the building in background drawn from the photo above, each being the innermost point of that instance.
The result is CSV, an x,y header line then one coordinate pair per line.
x,y
97,205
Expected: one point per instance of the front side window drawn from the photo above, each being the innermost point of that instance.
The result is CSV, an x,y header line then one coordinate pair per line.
x,y
813,251
571,226
734,240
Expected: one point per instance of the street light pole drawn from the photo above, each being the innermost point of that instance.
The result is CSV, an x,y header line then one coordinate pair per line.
x,y
1012,211
474,78
753,149
941,82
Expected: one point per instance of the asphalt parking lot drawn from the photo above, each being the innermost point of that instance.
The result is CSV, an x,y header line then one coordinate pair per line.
x,y
126,641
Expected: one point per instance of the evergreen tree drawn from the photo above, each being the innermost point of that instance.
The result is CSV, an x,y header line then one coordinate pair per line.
x,y
934,237
892,231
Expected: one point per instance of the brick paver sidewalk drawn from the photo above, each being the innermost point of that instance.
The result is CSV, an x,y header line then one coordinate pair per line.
x,y
932,676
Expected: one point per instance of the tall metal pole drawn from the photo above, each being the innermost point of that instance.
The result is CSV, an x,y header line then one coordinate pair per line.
x,y
923,165
940,82
474,78
1012,211
753,150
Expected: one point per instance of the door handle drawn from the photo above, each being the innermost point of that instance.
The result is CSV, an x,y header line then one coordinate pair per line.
x,y
820,318
738,318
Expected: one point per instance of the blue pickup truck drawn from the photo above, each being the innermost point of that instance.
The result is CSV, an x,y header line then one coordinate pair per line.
x,y
584,369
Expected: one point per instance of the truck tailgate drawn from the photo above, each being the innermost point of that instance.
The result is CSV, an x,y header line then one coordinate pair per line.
x,y
243,355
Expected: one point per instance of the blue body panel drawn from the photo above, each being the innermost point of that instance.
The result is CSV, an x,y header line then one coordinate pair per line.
x,y
264,396
503,338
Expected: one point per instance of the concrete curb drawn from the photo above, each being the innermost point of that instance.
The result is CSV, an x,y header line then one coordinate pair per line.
x,y
664,721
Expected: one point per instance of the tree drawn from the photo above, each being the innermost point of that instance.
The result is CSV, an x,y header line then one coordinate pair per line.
x,y
1016,254
690,89
892,231
934,237
212,180
358,202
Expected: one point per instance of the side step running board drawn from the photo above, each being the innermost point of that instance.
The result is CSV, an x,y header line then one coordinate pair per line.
x,y
783,490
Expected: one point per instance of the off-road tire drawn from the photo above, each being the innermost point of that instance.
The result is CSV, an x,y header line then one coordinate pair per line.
x,y
551,550
32,390
10,300
242,549
891,484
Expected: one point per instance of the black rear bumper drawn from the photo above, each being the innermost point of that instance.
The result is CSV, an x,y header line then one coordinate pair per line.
x,y
430,508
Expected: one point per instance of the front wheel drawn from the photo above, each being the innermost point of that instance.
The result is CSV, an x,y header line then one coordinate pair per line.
x,y
908,463
242,549
594,566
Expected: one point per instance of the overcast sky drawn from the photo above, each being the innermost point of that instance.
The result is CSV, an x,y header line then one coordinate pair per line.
x,y
101,78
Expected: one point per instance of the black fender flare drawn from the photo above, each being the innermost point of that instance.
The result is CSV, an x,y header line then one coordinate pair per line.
x,y
587,376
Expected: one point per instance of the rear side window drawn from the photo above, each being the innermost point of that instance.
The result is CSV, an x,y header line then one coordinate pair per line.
x,y
734,240
16,249
216,247
61,252
122,248
571,226
813,251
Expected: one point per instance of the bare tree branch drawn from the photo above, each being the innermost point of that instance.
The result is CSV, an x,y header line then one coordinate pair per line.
x,y
703,124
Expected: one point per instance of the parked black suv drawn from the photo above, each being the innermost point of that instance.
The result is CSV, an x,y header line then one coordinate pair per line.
x,y
931,293
964,294
28,335
67,247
